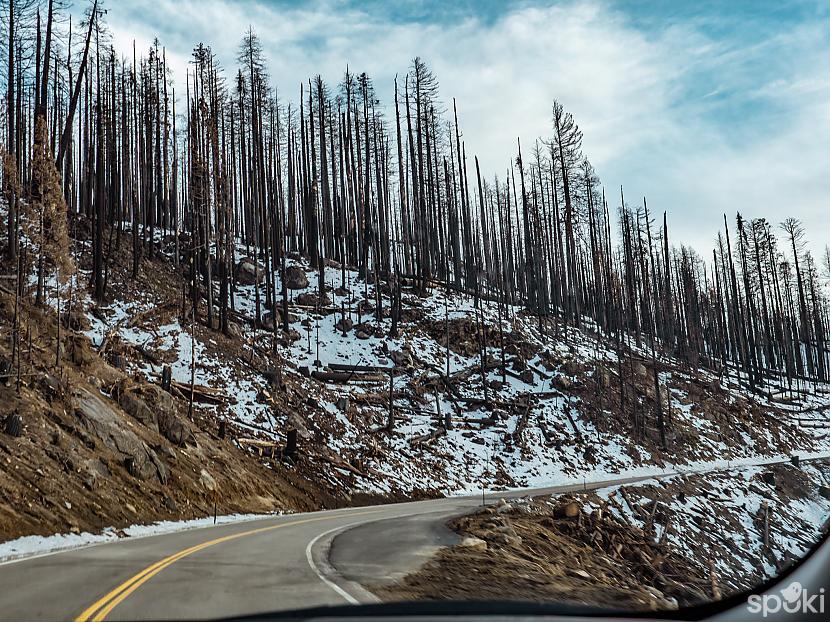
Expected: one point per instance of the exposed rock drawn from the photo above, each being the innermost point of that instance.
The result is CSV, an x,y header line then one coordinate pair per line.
x,y
249,272
207,481
138,409
308,299
268,319
162,471
367,328
290,337
507,540
52,387
508,529
562,382
295,278
362,334
295,421
175,429
95,471
168,453
140,466
100,418
344,324
569,509
528,377
155,408
171,505
471,542
401,358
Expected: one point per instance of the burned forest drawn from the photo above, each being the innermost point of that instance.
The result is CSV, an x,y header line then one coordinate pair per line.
x,y
223,293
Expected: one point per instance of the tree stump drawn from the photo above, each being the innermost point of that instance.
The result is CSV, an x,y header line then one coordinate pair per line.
x,y
291,444
167,378
14,425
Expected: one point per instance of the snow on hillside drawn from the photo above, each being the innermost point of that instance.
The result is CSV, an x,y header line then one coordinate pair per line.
x,y
538,430
724,516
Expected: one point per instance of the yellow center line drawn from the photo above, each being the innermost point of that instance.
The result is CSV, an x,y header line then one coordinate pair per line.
x,y
101,608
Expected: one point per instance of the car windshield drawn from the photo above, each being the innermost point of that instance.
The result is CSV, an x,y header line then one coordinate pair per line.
x,y
332,303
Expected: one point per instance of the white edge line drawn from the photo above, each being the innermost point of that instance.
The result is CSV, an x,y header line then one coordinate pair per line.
x,y
308,554
14,558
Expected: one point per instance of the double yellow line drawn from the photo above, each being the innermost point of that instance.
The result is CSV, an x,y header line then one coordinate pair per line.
x,y
101,608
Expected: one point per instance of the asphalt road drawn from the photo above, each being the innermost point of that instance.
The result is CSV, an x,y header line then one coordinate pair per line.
x,y
265,565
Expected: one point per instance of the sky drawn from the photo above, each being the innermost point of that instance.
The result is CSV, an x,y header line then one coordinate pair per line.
x,y
703,107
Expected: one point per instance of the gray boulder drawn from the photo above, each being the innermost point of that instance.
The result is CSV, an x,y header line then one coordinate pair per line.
x,y
249,272
295,278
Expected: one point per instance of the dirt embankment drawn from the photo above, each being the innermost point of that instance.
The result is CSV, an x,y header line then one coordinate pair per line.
x,y
656,545
84,445
541,553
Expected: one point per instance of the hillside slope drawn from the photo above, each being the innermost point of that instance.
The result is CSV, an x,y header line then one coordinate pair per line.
x,y
103,444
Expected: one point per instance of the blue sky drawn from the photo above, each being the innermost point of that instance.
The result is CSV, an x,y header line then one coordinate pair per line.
x,y
703,107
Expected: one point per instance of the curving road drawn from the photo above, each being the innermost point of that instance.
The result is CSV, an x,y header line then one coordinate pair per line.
x,y
270,564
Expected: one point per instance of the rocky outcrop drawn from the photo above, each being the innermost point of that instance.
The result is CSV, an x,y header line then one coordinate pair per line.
x,y
156,409
99,417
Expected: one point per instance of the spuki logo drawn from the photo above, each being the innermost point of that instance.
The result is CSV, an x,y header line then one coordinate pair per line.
x,y
793,599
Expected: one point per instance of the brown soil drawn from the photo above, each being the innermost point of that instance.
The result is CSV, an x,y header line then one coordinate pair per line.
x,y
70,471
582,548
536,553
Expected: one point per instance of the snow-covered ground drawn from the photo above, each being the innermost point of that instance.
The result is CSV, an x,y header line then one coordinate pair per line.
x,y
496,449
719,516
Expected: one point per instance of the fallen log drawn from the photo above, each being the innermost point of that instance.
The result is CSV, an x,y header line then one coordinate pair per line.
x,y
340,464
201,393
358,368
342,377
427,439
